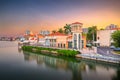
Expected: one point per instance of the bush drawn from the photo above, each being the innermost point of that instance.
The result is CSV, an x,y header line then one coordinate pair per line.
x,y
67,53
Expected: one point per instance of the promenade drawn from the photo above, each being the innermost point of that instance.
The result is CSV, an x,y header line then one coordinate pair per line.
x,y
100,56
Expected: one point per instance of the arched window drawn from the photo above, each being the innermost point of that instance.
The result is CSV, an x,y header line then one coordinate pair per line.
x,y
75,41
75,37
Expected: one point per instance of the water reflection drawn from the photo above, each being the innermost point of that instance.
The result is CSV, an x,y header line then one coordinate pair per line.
x,y
18,65
80,69
117,77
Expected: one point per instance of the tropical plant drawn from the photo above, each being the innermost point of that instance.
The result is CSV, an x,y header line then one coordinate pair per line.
x,y
91,35
67,53
67,29
116,38
60,30
54,31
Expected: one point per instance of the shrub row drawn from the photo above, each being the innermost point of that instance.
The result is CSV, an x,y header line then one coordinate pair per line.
x,y
67,53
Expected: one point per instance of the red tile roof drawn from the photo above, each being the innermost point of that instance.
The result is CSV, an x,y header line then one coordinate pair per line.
x,y
69,37
77,23
115,29
40,36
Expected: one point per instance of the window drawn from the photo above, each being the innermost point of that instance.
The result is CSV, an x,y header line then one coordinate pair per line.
x,y
64,45
61,45
58,44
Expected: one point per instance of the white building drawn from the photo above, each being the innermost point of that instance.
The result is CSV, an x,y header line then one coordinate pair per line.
x,y
111,26
76,29
104,36
45,32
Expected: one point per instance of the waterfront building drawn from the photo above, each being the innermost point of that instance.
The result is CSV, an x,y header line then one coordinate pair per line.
x,y
56,40
31,37
77,41
41,40
69,41
104,36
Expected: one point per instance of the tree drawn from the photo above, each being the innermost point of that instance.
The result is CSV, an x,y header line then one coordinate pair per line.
x,y
91,35
116,38
54,31
60,30
67,29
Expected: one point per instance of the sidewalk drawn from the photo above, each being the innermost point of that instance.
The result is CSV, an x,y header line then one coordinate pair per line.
x,y
88,51
92,54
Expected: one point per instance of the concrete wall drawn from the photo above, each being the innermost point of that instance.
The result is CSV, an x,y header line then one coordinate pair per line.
x,y
104,37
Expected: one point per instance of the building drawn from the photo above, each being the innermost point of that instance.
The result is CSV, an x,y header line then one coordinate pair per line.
x,y
41,40
85,30
69,41
111,26
104,36
56,40
77,41
31,37
45,32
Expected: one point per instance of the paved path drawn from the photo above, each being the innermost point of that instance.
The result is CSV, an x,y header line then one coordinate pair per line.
x,y
107,52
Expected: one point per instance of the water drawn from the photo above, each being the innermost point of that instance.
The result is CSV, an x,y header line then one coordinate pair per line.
x,y
18,65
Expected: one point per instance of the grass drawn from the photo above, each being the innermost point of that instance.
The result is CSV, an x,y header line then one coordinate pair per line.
x,y
117,52
61,52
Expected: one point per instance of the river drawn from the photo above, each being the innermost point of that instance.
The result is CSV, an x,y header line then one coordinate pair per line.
x,y
16,64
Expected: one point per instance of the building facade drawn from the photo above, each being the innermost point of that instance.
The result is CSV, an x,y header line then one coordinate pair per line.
x,y
77,41
46,32
104,36
56,40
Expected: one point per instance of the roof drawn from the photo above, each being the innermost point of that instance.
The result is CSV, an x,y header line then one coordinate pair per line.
x,y
57,34
69,37
30,35
115,29
40,36
77,23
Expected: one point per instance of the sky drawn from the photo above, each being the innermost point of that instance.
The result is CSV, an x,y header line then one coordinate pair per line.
x,y
17,16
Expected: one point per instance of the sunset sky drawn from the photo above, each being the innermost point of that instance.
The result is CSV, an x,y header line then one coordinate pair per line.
x,y
16,16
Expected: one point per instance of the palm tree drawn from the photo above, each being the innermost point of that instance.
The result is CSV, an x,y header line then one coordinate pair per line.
x,y
67,29
91,35
94,30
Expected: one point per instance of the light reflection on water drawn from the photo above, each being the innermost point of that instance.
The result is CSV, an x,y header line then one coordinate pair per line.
x,y
18,65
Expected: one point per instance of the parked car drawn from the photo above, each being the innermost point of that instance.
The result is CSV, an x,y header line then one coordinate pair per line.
x,y
88,45
116,49
112,47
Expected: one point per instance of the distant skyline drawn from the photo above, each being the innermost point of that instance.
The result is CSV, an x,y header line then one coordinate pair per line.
x,y
16,16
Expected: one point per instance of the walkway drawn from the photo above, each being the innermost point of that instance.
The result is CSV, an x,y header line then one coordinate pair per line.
x,y
102,54
106,52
